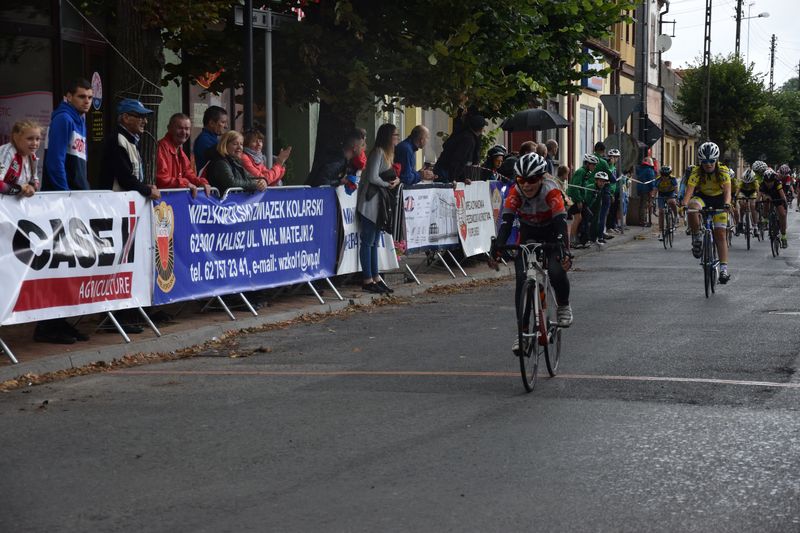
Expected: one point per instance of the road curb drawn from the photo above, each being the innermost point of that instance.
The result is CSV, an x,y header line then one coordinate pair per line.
x,y
180,340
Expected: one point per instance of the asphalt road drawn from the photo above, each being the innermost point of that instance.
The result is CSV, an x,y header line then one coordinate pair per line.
x,y
673,413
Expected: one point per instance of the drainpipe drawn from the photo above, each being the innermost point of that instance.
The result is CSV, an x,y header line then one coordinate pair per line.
x,y
661,87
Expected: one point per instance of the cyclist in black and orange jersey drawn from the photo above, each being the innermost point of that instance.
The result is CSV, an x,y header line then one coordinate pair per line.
x,y
771,192
537,201
709,185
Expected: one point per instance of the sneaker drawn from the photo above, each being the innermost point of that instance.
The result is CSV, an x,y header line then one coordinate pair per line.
x,y
382,284
697,246
564,316
607,236
784,242
660,238
601,241
72,330
515,346
724,277
373,288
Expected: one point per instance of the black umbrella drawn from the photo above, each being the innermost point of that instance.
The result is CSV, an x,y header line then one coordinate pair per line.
x,y
534,120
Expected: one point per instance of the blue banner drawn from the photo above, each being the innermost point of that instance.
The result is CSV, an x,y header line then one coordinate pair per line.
x,y
207,247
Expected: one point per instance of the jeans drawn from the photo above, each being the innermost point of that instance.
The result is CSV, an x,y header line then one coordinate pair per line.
x,y
368,249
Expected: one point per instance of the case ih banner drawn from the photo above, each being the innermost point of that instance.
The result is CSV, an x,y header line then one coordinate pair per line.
x,y
74,253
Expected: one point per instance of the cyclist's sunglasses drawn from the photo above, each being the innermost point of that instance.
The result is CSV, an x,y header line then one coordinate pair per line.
x,y
530,179
708,161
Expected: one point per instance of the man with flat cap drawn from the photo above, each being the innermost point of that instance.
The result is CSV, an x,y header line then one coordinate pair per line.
x,y
123,169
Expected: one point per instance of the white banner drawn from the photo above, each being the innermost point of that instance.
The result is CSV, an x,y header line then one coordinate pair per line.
x,y
475,217
430,218
74,253
349,261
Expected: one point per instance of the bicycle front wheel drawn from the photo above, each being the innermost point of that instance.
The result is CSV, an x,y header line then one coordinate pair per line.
x,y
553,353
773,236
528,335
747,229
671,226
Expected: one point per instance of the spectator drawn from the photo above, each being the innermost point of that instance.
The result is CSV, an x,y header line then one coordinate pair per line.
x,y
333,167
359,159
459,151
646,189
552,155
577,191
613,160
174,170
507,168
65,170
602,199
541,150
65,157
494,161
562,178
378,174
18,160
123,169
254,161
404,155
225,169
215,122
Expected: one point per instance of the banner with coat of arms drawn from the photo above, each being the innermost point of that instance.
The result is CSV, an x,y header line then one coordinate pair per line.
x,y
207,247
475,216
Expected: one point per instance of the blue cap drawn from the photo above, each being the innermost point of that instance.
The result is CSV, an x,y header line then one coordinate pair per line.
x,y
129,105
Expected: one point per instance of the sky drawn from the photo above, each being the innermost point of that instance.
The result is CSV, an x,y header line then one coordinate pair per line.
x,y
784,16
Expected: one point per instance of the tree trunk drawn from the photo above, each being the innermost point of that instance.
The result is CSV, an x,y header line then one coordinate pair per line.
x,y
143,48
331,131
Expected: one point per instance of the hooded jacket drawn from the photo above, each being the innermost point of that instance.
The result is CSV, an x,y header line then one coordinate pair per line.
x,y
65,155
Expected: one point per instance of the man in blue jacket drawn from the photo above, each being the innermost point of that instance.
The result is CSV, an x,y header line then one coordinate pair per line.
x,y
404,155
215,122
65,170
65,157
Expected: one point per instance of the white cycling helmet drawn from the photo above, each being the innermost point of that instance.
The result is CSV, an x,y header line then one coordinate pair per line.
x,y
601,176
749,176
530,165
759,167
708,151
590,159
614,153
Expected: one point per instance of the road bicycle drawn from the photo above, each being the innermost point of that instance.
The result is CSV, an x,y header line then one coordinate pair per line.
x,y
770,220
669,225
708,258
537,321
744,216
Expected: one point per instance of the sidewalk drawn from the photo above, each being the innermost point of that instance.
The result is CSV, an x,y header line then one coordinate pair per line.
x,y
192,327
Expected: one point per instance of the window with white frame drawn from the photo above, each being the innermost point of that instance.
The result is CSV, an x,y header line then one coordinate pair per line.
x,y
586,131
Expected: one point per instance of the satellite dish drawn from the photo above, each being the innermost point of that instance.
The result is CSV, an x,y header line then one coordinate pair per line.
x,y
663,42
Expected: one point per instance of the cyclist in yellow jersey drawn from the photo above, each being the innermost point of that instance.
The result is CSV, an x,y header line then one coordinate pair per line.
x,y
667,187
709,185
746,197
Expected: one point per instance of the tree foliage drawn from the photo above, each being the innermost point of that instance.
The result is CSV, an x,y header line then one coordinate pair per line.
x,y
768,138
737,92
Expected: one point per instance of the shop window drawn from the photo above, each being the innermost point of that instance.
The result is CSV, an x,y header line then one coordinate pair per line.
x,y
28,93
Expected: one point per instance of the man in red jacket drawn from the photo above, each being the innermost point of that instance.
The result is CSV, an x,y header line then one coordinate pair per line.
x,y
174,170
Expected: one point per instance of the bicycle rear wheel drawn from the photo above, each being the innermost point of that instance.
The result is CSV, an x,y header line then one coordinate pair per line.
x,y
528,335
774,243
553,353
747,229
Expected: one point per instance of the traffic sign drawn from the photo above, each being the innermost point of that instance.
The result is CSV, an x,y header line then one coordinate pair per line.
x,y
620,106
265,19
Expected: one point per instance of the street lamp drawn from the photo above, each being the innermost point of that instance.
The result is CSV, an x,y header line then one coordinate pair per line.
x,y
747,18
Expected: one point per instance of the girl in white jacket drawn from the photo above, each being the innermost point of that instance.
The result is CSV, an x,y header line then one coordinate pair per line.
x,y
18,160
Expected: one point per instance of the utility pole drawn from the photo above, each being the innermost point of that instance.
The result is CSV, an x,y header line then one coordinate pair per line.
x,y
707,66
772,63
248,66
738,25
642,64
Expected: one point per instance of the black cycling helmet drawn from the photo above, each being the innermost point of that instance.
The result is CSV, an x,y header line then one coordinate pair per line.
x,y
496,150
530,165
666,170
